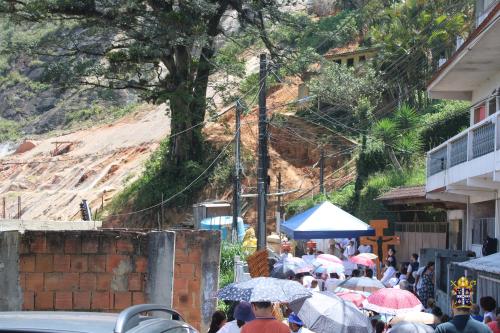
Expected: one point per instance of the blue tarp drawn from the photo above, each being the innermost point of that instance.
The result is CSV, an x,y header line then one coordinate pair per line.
x,y
325,221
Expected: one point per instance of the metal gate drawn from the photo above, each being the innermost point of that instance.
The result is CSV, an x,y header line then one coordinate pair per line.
x,y
418,235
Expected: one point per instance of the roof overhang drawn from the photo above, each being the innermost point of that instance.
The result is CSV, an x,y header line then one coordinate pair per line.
x,y
475,62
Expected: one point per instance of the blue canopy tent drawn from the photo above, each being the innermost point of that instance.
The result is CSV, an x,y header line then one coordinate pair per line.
x,y
325,221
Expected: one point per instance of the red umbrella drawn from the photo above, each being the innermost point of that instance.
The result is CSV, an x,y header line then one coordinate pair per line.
x,y
392,301
353,297
329,257
360,260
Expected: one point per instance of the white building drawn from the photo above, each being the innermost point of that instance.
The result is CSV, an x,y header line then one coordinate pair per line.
x,y
466,168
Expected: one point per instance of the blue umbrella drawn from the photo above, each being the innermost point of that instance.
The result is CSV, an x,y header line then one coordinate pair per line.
x,y
264,289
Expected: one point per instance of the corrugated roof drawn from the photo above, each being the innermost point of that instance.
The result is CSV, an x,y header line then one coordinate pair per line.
x,y
487,264
404,192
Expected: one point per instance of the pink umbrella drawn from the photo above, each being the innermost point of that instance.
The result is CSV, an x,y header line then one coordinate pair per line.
x,y
326,266
392,301
362,261
329,257
353,297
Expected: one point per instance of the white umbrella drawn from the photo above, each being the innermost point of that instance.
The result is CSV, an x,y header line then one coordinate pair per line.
x,y
325,314
407,327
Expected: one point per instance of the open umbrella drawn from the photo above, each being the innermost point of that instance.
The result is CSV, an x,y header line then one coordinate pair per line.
x,y
297,265
392,301
362,284
351,296
406,327
325,314
264,289
416,317
327,266
362,261
368,256
330,257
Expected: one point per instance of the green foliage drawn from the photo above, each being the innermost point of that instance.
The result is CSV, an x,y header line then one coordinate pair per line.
x,y
9,130
443,120
14,77
411,37
378,183
228,251
341,198
98,113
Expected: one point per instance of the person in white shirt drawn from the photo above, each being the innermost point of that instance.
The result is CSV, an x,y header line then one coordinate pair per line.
x,y
365,248
332,282
349,250
389,273
418,278
243,314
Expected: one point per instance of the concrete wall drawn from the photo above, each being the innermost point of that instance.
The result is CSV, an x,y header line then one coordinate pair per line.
x,y
196,275
11,297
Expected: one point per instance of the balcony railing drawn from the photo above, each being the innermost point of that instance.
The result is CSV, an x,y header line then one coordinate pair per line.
x,y
473,143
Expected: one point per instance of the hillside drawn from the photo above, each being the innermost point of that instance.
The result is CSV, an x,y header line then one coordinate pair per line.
x,y
99,162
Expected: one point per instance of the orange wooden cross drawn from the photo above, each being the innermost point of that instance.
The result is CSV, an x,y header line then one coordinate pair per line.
x,y
379,242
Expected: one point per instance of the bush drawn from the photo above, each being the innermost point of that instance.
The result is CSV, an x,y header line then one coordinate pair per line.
x,y
228,251
9,130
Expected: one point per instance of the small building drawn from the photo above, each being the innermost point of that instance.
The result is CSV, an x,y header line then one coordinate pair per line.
x,y
208,209
350,55
421,222
486,272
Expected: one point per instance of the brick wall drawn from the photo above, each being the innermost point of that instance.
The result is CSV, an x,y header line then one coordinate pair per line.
x,y
86,270
104,270
196,275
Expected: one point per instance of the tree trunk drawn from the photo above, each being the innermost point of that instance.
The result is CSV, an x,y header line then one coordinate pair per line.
x,y
186,141
394,159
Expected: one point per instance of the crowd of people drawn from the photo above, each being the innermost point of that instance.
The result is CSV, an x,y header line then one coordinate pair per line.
x,y
419,279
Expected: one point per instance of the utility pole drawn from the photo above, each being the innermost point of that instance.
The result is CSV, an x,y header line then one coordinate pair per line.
x,y
237,173
19,207
322,171
278,208
262,158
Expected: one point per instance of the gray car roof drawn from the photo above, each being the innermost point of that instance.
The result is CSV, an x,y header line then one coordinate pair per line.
x,y
85,322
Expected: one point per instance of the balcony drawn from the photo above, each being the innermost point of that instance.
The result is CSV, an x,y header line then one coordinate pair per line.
x,y
471,153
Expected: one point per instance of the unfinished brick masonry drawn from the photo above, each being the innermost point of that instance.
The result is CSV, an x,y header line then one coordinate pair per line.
x,y
85,270
105,270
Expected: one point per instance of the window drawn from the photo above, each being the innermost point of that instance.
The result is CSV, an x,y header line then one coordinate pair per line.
x,y
338,61
482,228
492,106
350,62
362,59
479,113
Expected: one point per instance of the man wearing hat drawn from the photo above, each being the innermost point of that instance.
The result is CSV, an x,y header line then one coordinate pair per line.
x,y
296,325
461,303
242,314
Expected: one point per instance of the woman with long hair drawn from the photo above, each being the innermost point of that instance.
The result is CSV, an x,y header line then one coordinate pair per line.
x,y
426,289
218,320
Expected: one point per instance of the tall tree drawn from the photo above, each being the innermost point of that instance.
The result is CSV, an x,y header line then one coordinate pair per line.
x,y
161,48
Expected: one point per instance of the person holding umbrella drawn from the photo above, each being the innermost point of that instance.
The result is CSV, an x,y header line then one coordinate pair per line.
x,y
296,325
264,321
242,314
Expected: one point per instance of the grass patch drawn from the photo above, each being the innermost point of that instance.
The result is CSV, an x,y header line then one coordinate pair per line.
x,y
9,130
98,113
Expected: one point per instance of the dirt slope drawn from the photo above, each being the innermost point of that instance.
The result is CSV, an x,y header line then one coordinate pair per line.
x,y
99,162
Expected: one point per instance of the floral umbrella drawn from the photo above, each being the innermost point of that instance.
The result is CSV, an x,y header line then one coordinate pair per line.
x,y
362,261
264,289
330,257
362,284
392,301
368,256
327,266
